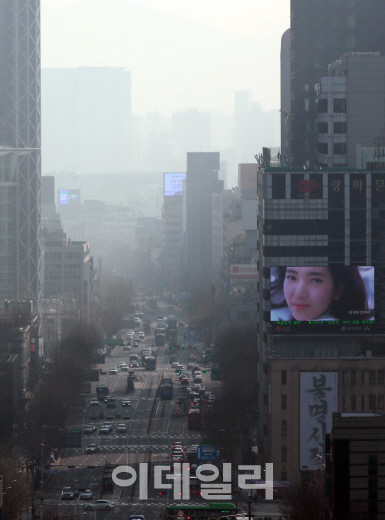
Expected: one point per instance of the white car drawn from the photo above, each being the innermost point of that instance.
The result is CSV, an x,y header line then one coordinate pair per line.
x,y
100,504
113,371
141,334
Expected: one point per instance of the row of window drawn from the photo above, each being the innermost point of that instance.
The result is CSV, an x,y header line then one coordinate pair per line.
x,y
374,377
339,106
338,127
65,256
338,148
376,402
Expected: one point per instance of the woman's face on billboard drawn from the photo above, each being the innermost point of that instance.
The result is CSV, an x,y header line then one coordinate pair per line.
x,y
309,291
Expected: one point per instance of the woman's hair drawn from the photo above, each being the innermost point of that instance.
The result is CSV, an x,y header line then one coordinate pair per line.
x,y
353,296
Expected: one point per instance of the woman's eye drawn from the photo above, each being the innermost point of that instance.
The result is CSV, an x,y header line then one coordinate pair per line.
x,y
290,277
318,280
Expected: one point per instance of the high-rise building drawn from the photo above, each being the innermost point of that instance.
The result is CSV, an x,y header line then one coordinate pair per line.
x,y
351,109
324,222
285,96
20,256
321,32
201,182
172,220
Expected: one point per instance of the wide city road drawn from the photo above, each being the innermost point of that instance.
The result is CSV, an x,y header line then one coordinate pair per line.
x,y
152,427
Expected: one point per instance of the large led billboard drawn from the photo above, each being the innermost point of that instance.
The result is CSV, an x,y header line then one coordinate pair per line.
x,y
331,299
173,183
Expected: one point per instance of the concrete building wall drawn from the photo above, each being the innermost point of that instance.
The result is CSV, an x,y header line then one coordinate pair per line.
x,y
359,379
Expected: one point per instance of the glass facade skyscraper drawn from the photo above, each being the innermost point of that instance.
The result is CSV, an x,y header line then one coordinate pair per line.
x,y
20,253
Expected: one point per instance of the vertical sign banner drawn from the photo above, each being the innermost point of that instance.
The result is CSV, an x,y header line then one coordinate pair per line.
x,y
318,401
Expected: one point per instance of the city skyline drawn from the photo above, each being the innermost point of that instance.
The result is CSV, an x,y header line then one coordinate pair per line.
x,y
180,55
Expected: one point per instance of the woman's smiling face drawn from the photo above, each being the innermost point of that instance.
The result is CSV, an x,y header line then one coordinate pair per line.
x,y
309,292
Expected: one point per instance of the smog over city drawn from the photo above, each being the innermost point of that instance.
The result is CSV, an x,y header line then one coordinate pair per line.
x,y
192,269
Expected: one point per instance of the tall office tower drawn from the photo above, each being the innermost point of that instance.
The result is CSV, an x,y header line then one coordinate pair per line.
x,y
285,97
316,223
321,32
172,220
351,109
201,182
20,254
86,118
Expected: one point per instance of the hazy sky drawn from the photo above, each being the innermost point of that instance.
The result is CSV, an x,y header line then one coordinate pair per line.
x,y
181,53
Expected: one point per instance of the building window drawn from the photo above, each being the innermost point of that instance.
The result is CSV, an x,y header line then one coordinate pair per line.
x,y
350,41
284,427
322,106
351,21
363,377
322,128
283,377
339,106
323,148
283,402
284,454
339,128
372,402
380,377
353,377
362,402
372,377
353,403
307,104
339,148
380,402
372,465
344,402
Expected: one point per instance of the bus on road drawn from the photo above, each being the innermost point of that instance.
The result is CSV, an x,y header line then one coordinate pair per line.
x,y
102,391
149,363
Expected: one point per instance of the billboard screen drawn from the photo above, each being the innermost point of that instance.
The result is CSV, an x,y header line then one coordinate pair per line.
x,y
318,401
332,299
173,183
69,196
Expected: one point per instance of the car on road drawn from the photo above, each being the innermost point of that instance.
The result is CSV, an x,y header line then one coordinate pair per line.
x,y
113,371
190,366
86,495
89,428
121,428
126,402
134,364
67,494
104,430
136,338
179,368
124,368
127,347
121,363
136,517
141,335
136,344
92,448
100,504
94,402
